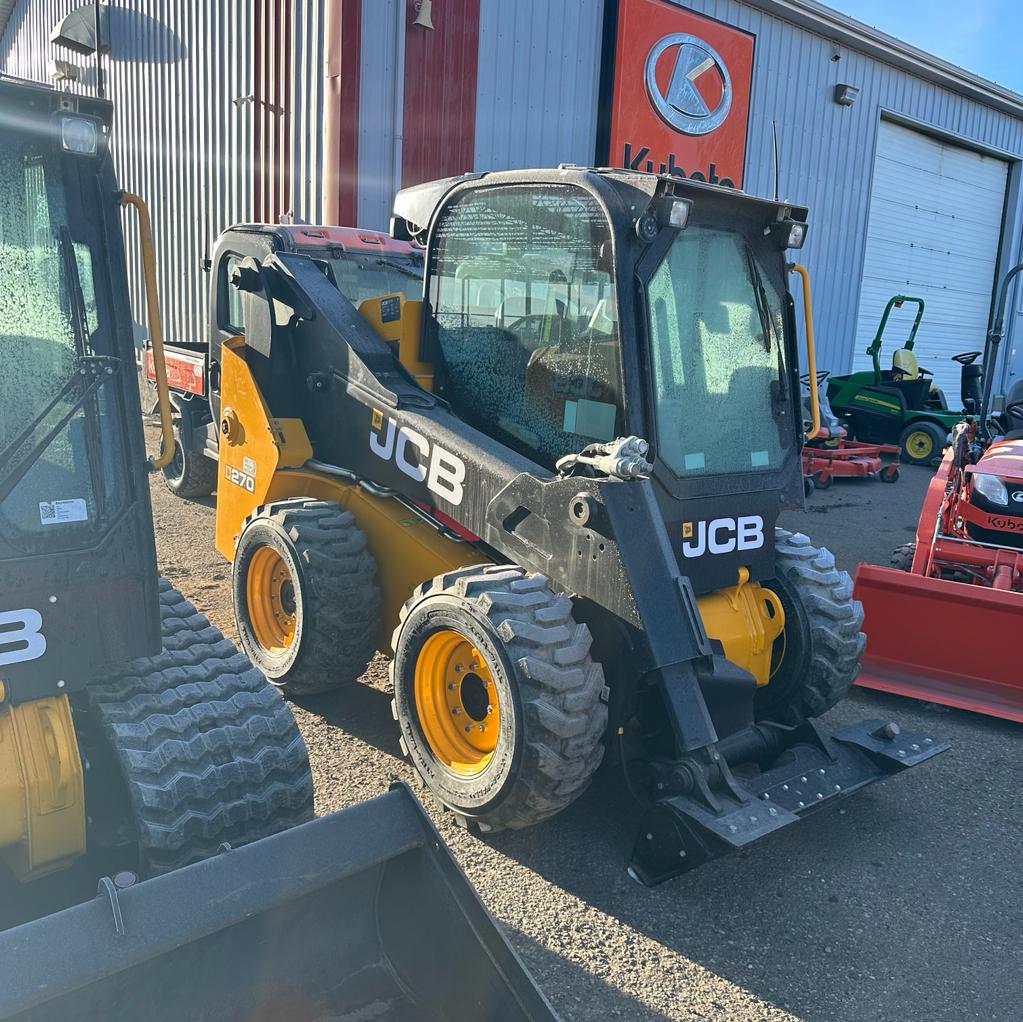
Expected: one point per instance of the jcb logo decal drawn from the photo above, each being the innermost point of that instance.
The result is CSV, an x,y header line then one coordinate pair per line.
x,y
21,636
442,472
722,535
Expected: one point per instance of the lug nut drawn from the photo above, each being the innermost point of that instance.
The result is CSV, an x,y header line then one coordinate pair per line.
x,y
490,709
451,686
455,710
459,668
468,727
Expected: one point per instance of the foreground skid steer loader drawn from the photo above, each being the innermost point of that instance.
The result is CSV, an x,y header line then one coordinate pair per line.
x,y
550,491
129,727
134,739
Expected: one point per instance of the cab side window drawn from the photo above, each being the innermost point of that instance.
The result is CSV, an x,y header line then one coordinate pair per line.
x,y
523,295
232,316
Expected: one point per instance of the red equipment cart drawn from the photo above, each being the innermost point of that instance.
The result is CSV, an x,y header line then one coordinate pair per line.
x,y
829,454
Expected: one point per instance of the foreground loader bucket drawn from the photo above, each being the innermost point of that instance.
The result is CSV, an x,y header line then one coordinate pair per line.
x,y
944,642
361,915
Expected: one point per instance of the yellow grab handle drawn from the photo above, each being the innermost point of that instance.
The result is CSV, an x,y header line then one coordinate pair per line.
x,y
166,455
811,353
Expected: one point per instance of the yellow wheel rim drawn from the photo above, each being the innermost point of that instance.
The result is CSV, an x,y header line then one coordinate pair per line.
x,y
270,600
456,703
919,444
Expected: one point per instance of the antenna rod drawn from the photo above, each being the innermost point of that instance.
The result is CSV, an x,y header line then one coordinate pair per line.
x,y
774,135
99,54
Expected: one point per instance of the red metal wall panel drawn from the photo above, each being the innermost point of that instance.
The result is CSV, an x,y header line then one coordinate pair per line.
x,y
440,91
341,112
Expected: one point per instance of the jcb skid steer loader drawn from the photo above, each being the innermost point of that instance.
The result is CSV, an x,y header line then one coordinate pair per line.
x,y
136,759
550,491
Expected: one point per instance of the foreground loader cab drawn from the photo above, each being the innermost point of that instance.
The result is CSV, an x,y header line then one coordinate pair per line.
x,y
549,491
133,736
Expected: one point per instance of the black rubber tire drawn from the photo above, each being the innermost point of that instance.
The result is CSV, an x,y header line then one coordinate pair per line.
x,y
889,474
822,481
938,435
902,557
822,643
191,473
808,486
208,752
337,599
552,695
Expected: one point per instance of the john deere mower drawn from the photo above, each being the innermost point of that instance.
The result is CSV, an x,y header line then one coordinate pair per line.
x,y
140,752
902,405
963,574
549,492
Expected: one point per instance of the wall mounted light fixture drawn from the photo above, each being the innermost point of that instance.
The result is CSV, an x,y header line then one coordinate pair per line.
x,y
845,95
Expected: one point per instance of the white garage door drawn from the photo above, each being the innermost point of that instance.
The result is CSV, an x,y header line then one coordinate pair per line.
x,y
935,223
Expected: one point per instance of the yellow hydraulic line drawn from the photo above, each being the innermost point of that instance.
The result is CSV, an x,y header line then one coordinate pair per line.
x,y
166,455
811,353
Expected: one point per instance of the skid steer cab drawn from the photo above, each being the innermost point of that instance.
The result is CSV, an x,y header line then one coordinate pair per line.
x,y
548,490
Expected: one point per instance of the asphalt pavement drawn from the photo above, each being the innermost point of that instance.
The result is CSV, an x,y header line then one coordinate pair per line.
x,y
905,903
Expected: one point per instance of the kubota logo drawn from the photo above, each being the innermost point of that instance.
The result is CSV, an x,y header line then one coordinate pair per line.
x,y
683,105
722,535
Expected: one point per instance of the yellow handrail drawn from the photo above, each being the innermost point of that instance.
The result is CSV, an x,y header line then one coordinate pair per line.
x,y
166,455
811,353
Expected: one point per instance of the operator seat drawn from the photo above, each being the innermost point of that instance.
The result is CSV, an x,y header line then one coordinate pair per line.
x,y
1013,423
906,375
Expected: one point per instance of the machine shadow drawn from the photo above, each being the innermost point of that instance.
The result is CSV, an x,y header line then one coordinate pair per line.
x,y
765,918
573,990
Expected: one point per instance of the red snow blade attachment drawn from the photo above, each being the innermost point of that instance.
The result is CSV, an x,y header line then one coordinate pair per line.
x,y
944,642
361,915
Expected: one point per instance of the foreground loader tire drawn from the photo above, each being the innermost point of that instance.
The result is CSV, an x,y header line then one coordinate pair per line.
x,y
500,706
191,473
306,598
206,751
902,557
817,657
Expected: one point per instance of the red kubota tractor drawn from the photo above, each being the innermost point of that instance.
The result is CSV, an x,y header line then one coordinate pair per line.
x,y
961,581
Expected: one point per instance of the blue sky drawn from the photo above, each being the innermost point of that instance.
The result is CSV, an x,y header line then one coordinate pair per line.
x,y
983,36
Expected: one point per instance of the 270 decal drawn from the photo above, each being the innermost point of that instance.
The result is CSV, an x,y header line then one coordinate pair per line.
x,y
21,636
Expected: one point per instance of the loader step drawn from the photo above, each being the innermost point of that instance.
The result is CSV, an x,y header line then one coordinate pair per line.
x,y
681,832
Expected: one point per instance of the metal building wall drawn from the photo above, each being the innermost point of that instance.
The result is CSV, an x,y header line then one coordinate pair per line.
x,y
827,151
537,83
187,93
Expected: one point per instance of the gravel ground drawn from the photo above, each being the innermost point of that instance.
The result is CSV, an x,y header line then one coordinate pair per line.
x,y
904,904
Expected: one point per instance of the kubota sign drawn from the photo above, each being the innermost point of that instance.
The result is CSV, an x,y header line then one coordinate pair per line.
x,y
681,93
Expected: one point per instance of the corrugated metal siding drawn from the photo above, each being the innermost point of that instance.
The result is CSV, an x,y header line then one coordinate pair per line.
x,y
381,96
184,84
827,150
538,83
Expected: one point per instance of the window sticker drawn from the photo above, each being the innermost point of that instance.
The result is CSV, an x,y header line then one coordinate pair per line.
x,y
759,459
594,419
60,512
695,462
